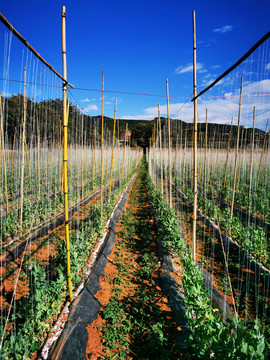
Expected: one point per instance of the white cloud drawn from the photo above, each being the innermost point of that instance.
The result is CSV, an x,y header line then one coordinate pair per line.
x,y
215,67
85,100
107,103
267,67
257,87
90,108
220,109
223,29
189,68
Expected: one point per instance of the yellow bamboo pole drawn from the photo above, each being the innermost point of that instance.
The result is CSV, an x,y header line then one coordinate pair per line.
x,y
60,157
13,150
129,154
119,175
82,153
27,157
175,154
114,124
94,152
22,141
38,155
124,155
184,161
169,145
237,147
153,150
102,131
262,153
205,154
201,150
160,148
195,144
85,160
240,157
251,156
227,157
3,151
65,140
267,159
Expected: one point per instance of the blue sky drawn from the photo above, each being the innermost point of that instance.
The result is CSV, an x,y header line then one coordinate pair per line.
x,y
139,44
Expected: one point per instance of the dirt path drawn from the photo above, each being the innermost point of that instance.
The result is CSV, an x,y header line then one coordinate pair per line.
x,y
122,312
134,320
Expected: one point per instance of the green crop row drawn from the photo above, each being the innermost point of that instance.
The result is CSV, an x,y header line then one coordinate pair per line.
x,y
209,336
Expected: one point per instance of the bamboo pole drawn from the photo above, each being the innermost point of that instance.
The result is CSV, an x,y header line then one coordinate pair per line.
x,y
153,149
251,158
195,143
27,157
60,156
169,145
119,175
267,160
125,140
201,150
114,124
160,148
102,160
184,161
82,153
94,152
175,154
3,151
205,153
227,157
85,152
240,157
22,142
38,155
262,153
13,150
65,140
237,147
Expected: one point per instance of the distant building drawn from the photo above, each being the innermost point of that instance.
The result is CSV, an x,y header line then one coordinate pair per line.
x,y
124,137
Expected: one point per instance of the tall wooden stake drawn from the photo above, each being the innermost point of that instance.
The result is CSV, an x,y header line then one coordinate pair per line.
x,y
154,155
94,152
82,153
38,154
262,153
227,157
160,148
3,150
205,154
169,145
195,143
65,140
13,150
119,173
22,142
114,124
251,156
237,147
102,132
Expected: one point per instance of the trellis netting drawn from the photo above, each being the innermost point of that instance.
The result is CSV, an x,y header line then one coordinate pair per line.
x,y
33,254
233,178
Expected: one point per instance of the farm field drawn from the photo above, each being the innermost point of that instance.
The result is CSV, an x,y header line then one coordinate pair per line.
x,y
141,236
